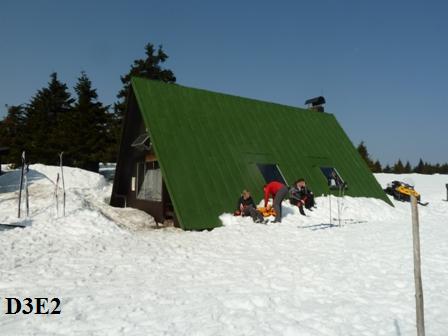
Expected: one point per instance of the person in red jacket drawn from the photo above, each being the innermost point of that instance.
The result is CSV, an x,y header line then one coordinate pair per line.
x,y
278,191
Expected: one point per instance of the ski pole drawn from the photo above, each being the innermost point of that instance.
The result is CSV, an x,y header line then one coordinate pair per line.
x,y
63,183
27,202
339,205
329,202
21,183
56,194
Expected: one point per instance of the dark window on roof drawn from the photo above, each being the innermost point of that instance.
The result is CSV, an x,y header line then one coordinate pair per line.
x,y
271,172
333,177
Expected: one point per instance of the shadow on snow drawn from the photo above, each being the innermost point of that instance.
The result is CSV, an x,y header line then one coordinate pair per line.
x,y
10,182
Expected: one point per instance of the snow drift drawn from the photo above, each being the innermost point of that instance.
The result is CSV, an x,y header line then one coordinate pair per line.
x,y
115,275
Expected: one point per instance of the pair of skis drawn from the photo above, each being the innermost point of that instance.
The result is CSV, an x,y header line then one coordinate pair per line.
x,y
56,191
24,187
340,204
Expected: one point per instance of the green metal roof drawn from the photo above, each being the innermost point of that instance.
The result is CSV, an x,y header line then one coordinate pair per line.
x,y
208,145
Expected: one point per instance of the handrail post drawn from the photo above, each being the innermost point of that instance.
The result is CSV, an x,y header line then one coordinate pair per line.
x,y
419,306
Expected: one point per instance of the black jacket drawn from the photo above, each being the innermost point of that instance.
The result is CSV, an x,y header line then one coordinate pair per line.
x,y
297,194
245,202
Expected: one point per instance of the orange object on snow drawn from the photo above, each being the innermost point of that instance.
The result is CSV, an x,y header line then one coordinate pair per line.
x,y
266,212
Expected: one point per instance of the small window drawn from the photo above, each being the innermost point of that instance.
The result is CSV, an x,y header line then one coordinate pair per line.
x,y
334,179
271,172
149,181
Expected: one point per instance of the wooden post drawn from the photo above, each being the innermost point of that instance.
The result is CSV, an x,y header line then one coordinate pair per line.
x,y
446,185
419,306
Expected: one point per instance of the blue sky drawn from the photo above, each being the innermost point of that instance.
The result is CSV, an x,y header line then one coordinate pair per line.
x,y
382,65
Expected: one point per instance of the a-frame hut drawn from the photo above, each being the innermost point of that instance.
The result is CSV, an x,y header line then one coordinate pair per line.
x,y
187,153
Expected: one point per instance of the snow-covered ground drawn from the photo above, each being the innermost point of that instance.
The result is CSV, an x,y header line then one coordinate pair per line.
x,y
116,275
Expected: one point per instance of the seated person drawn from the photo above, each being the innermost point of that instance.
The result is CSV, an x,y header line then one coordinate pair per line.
x,y
246,207
300,195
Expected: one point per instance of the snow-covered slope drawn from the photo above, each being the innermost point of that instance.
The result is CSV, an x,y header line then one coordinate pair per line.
x,y
306,276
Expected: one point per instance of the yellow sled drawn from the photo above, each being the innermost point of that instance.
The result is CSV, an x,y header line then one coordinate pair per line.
x,y
266,212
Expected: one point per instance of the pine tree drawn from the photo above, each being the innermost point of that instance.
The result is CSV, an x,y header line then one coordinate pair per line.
x,y
387,169
426,168
88,125
444,168
150,67
44,116
398,167
362,150
11,134
377,167
407,168
420,167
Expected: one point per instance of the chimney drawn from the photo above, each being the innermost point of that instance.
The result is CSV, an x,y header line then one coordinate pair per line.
x,y
316,104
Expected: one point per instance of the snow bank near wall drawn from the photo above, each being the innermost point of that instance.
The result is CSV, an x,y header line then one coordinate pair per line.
x,y
39,174
85,191
330,209
74,177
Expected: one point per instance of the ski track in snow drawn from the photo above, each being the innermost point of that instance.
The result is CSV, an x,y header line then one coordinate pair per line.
x,y
305,276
